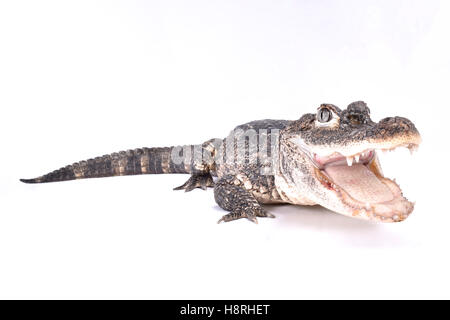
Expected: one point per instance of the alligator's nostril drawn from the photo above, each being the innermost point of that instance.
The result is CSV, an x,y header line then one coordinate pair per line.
x,y
396,125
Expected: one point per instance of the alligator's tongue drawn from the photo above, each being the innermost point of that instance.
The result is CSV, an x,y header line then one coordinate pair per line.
x,y
360,183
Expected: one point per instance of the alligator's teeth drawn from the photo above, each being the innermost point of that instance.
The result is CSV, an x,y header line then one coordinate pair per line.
x,y
357,158
349,161
412,149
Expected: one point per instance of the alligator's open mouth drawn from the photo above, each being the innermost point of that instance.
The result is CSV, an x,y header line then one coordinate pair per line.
x,y
359,183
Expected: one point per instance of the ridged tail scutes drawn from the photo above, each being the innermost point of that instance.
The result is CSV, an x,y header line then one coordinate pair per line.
x,y
130,162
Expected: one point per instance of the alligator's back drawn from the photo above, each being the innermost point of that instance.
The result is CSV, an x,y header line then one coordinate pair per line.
x,y
247,147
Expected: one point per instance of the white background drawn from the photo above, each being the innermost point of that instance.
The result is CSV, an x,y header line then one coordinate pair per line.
x,y
80,79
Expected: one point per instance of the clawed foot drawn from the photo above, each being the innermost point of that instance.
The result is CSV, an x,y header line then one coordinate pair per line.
x,y
246,213
197,181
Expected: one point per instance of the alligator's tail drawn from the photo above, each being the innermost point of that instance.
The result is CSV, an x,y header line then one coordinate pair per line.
x,y
131,162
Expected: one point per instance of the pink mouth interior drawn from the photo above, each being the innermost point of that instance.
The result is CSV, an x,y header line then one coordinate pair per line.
x,y
360,186
359,182
355,178
338,159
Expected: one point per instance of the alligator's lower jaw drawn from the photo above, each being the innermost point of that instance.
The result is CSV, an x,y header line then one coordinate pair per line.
x,y
363,192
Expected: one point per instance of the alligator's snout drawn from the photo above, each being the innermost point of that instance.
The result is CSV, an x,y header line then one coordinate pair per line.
x,y
397,124
394,132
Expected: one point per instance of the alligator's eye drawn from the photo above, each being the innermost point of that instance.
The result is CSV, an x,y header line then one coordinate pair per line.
x,y
324,115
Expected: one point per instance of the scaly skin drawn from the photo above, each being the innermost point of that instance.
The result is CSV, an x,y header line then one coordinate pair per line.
x,y
295,171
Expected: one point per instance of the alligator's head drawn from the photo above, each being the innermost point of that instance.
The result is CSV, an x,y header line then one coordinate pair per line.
x,y
330,158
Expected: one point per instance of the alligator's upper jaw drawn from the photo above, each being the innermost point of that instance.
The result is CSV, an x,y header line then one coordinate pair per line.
x,y
360,187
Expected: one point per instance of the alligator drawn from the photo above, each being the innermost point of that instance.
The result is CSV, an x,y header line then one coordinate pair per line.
x,y
328,158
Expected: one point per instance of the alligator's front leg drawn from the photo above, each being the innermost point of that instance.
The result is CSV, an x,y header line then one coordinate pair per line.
x,y
233,197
